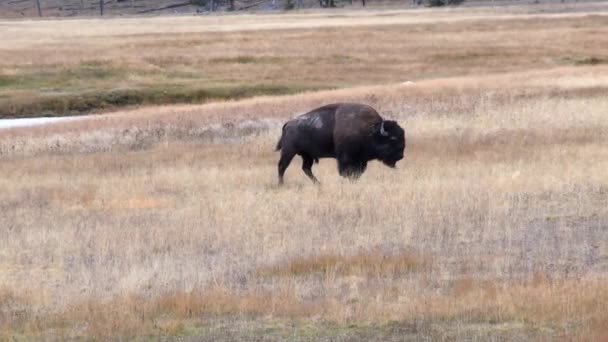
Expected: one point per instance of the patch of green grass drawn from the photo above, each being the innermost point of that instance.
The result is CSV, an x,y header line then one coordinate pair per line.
x,y
332,59
246,329
252,329
91,86
587,60
343,59
591,61
94,101
8,81
62,78
86,76
240,328
466,56
248,60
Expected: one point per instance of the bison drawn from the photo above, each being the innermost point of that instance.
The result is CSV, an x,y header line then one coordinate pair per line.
x,y
352,133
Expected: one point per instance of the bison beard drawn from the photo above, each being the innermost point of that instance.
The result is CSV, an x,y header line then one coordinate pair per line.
x,y
352,133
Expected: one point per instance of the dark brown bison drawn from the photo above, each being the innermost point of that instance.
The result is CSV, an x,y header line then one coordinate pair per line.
x,y
350,132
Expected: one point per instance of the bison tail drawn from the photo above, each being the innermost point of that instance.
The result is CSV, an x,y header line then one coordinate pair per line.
x,y
280,142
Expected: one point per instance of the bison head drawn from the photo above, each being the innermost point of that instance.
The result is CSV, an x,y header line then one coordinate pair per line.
x,y
388,142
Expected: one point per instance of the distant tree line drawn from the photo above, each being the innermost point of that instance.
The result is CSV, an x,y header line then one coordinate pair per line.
x,y
229,5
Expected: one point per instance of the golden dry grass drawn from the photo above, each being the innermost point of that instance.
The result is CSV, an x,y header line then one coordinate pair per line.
x,y
494,225
165,222
369,263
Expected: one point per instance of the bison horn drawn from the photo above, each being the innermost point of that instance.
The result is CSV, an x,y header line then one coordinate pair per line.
x,y
382,131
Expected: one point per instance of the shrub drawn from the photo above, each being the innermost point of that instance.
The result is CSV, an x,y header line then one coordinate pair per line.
x,y
437,3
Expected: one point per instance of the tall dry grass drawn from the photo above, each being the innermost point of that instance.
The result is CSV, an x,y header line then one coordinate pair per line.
x,y
493,226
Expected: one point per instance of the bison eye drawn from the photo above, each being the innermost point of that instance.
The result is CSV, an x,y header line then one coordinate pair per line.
x,y
393,138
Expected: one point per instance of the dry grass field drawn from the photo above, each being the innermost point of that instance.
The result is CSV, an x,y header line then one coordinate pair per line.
x,y
165,222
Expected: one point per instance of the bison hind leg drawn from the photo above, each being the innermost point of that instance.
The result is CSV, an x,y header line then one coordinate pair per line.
x,y
286,157
307,162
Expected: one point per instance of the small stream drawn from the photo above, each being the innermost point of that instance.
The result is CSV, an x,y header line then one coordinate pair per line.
x,y
29,122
